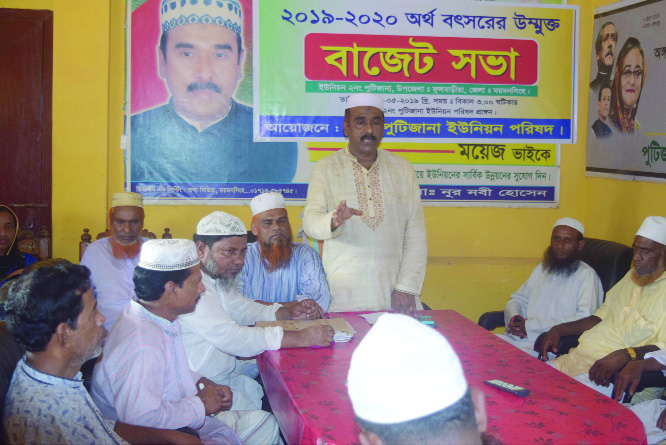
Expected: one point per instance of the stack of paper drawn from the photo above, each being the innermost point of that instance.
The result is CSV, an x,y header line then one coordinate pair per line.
x,y
343,330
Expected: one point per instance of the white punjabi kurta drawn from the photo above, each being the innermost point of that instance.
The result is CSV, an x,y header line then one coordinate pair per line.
x,y
218,331
368,256
111,278
144,379
548,299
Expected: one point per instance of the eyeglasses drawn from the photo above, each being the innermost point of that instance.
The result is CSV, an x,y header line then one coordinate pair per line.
x,y
638,74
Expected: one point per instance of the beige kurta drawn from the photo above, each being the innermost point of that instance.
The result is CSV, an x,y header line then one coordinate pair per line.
x,y
369,256
631,316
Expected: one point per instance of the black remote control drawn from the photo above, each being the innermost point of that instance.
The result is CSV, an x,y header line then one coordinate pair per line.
x,y
513,389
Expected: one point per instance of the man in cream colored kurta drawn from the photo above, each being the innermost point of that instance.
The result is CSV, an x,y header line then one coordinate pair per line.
x,y
630,323
366,204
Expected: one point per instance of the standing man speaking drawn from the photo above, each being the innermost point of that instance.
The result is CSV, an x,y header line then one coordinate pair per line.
x,y
366,204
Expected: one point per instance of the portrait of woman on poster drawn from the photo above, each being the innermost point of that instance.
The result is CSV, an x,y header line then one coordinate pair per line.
x,y
627,86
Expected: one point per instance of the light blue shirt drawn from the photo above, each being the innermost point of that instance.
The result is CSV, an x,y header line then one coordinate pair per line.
x,y
302,278
43,408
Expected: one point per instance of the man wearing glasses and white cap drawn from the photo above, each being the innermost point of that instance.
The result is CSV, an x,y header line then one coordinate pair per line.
x,y
561,288
144,378
366,204
628,325
276,269
438,408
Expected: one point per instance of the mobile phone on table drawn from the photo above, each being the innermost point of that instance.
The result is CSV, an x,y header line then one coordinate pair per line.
x,y
427,320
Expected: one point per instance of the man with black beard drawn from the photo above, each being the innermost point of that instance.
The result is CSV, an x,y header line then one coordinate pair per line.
x,y
276,269
561,288
630,323
112,260
605,50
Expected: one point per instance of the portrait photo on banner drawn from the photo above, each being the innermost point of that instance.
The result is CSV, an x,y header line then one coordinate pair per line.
x,y
190,114
626,134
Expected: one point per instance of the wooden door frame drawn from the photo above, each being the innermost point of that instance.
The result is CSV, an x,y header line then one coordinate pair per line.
x,y
46,17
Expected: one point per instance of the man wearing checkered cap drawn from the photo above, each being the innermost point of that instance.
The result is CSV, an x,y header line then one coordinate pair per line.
x,y
561,288
202,134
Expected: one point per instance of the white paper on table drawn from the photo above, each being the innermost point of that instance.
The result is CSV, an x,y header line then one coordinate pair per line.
x,y
372,318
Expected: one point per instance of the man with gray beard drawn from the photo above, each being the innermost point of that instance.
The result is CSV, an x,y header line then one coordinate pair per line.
x,y
561,288
218,331
630,323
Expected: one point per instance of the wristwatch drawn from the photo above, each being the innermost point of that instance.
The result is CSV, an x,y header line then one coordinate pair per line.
x,y
631,353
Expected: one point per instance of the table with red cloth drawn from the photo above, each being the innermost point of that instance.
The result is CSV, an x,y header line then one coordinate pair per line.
x,y
307,391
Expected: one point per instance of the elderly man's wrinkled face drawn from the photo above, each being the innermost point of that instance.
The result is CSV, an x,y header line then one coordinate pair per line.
x,y
608,42
202,67
648,255
7,231
365,129
127,224
225,259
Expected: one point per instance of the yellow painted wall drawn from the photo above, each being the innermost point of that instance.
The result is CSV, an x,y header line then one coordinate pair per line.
x,y
476,256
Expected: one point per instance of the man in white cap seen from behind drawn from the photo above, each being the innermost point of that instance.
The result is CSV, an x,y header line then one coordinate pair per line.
x,y
202,134
218,331
112,260
276,269
628,325
561,288
438,408
144,378
365,203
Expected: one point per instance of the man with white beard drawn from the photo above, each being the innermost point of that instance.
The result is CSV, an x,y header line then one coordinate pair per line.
x,y
630,323
218,331
112,260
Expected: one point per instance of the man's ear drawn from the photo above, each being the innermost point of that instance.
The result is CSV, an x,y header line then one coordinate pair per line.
x,y
345,128
63,334
253,228
479,402
201,249
369,438
162,63
581,244
239,69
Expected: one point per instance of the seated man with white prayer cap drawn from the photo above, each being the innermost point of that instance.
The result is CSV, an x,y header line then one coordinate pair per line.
x,y
219,331
561,288
144,378
628,325
438,408
112,260
276,269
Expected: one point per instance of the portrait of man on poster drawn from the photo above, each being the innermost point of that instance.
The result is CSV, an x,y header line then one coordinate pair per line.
x,y
202,134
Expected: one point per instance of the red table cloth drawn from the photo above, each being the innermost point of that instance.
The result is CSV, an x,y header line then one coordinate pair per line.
x,y
308,393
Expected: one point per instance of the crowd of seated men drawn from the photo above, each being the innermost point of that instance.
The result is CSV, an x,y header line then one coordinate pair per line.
x,y
177,366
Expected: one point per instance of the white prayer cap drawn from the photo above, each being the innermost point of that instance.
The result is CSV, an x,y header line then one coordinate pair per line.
x,y
225,13
654,228
121,199
168,254
365,100
266,201
570,222
221,223
399,349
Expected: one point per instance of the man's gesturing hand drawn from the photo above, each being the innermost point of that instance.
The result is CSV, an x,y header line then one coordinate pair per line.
x,y
342,213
